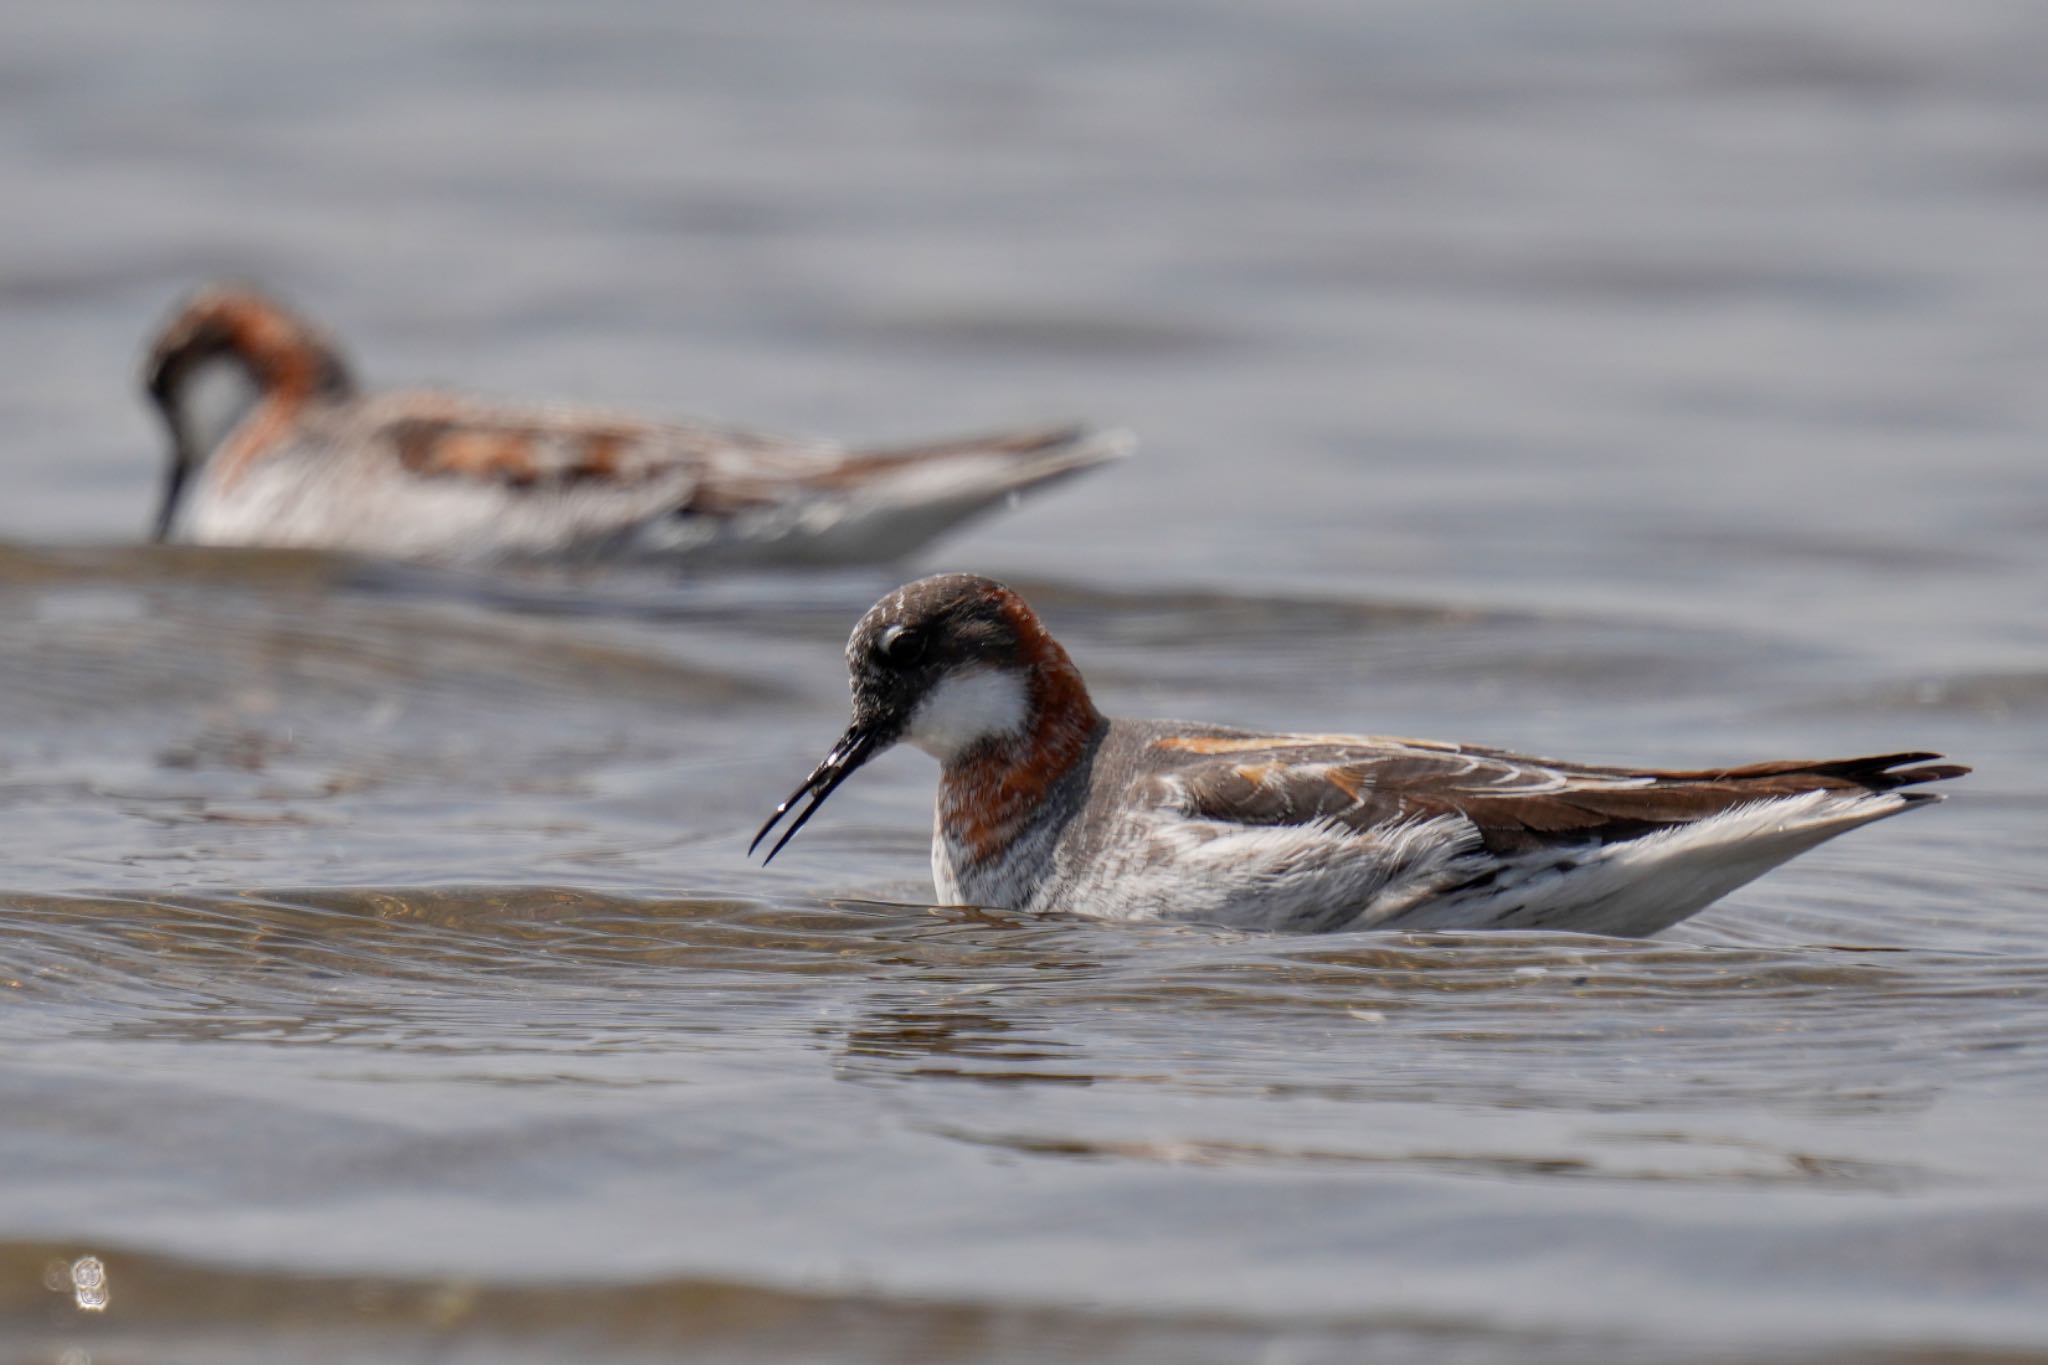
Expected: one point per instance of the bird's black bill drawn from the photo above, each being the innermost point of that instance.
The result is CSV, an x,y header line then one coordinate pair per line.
x,y
854,748
174,488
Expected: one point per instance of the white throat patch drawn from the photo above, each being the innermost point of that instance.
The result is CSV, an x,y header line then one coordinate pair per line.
x,y
212,402
966,708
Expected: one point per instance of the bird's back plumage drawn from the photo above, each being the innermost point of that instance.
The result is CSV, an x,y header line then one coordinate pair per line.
x,y
1330,831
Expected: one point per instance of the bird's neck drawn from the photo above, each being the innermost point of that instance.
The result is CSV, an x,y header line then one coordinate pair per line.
x,y
288,373
992,791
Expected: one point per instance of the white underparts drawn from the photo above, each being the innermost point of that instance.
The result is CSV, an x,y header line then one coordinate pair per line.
x,y
966,707
212,401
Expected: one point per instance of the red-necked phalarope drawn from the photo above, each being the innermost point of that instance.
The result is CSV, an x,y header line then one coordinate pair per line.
x,y
1046,804
272,443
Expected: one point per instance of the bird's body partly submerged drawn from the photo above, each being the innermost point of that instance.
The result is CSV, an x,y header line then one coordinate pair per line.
x,y
274,444
1046,805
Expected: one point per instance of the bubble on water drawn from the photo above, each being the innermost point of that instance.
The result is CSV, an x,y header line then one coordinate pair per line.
x,y
89,1284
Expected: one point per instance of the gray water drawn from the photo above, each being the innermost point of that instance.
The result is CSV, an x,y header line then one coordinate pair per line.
x,y
381,977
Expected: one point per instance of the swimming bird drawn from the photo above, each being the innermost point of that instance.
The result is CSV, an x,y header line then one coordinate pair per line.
x,y
1044,804
274,443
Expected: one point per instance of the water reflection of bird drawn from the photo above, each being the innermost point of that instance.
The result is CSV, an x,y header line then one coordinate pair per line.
x,y
273,443
1046,804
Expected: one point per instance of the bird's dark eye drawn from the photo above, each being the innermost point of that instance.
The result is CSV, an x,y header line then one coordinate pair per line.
x,y
901,647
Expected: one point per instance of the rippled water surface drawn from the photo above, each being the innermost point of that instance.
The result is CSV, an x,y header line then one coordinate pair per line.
x,y
381,976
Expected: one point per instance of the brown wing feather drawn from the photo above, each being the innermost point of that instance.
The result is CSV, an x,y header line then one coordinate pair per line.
x,y
436,435
1516,803
720,471
540,450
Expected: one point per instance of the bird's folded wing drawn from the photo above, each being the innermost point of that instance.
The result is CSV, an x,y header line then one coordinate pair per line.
x,y
1514,802
543,449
